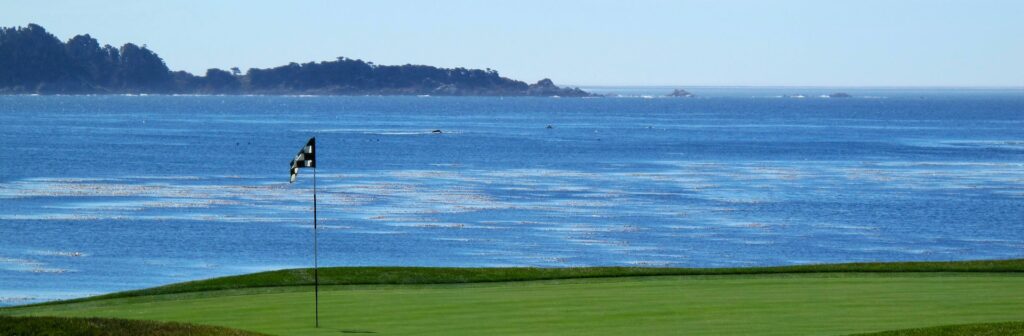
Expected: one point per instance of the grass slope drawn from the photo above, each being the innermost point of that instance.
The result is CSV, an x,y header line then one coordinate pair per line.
x,y
442,275
979,329
60,326
798,300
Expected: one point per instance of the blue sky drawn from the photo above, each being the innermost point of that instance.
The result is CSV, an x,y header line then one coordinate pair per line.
x,y
636,42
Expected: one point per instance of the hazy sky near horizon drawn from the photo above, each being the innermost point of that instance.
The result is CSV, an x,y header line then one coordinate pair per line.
x,y
594,42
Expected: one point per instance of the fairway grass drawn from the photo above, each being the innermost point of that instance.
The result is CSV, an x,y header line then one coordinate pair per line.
x,y
803,303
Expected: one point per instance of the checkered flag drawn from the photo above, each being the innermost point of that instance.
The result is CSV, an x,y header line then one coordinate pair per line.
x,y
305,159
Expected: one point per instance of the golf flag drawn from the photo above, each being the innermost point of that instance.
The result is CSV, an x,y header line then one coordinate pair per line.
x,y
305,159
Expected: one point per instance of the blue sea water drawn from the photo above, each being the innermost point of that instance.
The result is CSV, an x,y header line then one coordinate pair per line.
x,y
109,193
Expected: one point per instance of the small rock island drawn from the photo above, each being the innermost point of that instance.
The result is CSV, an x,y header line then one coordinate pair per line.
x,y
680,93
839,95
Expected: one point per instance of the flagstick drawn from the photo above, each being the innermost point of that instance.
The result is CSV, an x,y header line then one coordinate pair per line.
x,y
316,277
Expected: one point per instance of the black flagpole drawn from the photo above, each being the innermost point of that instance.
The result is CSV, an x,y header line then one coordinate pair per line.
x,y
316,277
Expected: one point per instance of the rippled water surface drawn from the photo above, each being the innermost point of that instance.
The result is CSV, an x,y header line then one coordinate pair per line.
x,y
108,193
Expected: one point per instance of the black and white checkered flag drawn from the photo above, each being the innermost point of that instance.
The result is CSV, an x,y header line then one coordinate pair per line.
x,y
305,159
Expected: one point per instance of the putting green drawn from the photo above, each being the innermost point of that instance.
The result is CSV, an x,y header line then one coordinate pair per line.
x,y
768,304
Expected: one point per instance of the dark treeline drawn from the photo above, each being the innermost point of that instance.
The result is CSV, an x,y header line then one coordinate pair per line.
x,y
34,61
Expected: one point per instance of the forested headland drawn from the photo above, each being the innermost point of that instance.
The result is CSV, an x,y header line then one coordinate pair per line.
x,y
34,61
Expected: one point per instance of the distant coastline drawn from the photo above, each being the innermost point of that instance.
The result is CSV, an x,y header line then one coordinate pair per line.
x,y
33,61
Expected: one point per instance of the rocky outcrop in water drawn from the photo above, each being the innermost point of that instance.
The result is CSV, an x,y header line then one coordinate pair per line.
x,y
545,87
679,93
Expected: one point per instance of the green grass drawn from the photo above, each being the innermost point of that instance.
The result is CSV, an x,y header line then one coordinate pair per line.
x,y
441,275
60,326
978,329
798,300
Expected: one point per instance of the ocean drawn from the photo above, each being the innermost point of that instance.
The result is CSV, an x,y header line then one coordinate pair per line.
x,y
108,193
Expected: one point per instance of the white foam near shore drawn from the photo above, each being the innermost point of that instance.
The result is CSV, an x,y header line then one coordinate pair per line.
x,y
17,300
18,263
73,254
29,266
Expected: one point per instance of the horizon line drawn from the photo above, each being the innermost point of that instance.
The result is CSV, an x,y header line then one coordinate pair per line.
x,y
757,86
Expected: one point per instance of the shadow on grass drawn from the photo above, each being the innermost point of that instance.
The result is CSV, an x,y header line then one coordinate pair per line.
x,y
350,331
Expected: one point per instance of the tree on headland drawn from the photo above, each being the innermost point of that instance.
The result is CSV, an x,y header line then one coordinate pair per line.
x,y
34,61
218,80
141,69
31,57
